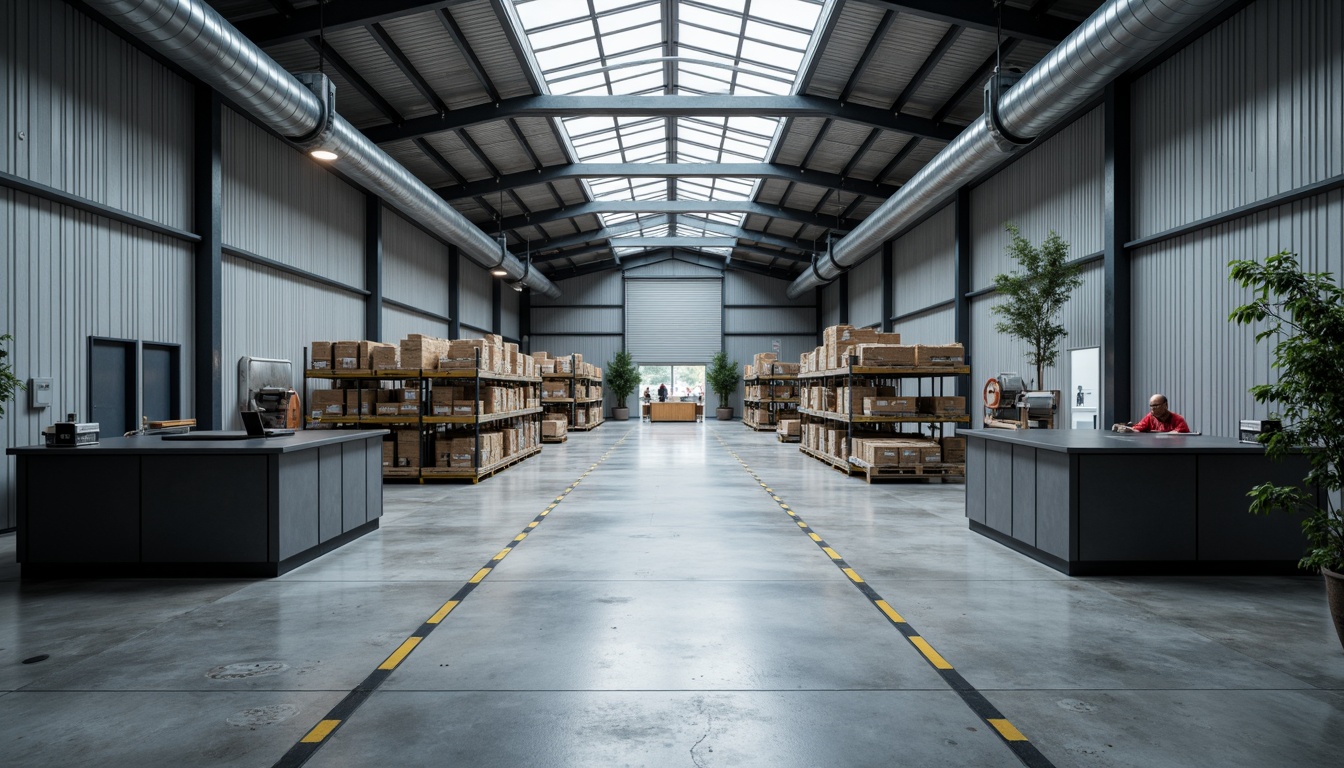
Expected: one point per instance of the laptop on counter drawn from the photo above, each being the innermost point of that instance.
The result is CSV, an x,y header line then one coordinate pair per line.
x,y
251,420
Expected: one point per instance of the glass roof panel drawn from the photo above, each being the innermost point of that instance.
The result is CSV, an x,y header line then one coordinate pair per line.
x,y
617,47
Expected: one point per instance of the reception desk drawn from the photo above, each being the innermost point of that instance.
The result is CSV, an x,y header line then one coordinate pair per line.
x,y
149,506
1091,502
673,411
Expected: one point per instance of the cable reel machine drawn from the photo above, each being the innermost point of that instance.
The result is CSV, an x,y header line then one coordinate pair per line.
x,y
1010,405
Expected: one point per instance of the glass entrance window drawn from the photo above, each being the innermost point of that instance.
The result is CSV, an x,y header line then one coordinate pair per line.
x,y
683,382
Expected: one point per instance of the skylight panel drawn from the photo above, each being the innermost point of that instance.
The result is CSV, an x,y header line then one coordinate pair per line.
x,y
557,36
568,55
541,13
602,6
628,19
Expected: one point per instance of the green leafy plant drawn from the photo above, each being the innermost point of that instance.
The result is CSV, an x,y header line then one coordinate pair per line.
x,y
9,383
1035,297
622,377
723,377
1304,312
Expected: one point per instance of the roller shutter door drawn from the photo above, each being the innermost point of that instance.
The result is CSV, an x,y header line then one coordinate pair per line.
x,y
673,321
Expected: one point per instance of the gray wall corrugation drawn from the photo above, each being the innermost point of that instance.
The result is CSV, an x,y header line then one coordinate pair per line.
x,y
69,275
672,268
575,320
415,267
281,204
272,314
508,312
1056,186
475,303
750,288
1253,109
924,266
100,120
934,327
398,324
772,320
1183,344
597,288
830,305
865,293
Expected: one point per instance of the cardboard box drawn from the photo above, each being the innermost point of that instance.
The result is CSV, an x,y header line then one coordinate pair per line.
x,y
386,409
389,453
954,450
950,406
326,402
943,354
408,447
407,394
553,428
345,355
385,357
789,427
359,402
931,454
889,406
420,352
885,354
320,355
467,407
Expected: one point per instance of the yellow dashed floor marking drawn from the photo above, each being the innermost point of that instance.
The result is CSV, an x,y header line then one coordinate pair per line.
x,y
400,653
891,612
932,655
443,612
503,553
320,731
479,575
1006,730
831,553
852,575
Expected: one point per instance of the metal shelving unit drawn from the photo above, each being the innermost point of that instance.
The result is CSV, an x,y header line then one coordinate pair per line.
x,y
773,405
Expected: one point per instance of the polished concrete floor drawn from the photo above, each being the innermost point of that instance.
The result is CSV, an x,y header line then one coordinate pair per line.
x,y
669,612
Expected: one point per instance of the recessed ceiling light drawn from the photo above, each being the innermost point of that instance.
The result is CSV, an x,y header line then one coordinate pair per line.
x,y
323,154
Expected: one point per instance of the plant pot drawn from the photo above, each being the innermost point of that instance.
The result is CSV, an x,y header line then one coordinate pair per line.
x,y
724,414
1334,597
620,414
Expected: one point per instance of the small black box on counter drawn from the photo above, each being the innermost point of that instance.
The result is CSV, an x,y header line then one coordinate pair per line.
x,y
71,433
1256,430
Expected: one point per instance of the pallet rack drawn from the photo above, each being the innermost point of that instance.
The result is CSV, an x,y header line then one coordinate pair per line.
x,y
427,424
892,426
773,405
581,393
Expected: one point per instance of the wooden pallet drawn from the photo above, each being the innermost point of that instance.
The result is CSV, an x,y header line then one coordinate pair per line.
x,y
789,438
423,474
761,427
560,439
586,427
835,462
949,473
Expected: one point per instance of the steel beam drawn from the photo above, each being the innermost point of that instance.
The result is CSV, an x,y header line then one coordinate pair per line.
x,y
748,207
373,267
663,106
980,15
961,267
208,295
305,22
666,170
1117,308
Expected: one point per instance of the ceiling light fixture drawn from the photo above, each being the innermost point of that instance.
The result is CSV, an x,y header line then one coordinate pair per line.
x,y
319,142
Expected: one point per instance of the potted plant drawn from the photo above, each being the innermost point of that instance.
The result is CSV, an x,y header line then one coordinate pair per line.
x,y
622,379
1304,313
9,383
1036,296
723,377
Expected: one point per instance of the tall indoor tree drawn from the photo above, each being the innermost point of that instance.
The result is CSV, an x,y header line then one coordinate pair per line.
x,y
1036,294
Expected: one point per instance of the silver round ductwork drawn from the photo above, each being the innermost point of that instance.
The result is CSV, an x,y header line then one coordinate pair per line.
x,y
193,35
1119,35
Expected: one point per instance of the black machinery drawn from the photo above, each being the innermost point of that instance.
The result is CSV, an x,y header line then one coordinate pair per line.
x,y
1010,405
265,385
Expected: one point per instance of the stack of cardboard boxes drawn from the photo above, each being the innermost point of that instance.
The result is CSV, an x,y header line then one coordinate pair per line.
x,y
418,352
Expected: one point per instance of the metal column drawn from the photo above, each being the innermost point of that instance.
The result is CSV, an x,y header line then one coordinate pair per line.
x,y
888,285
1116,385
454,292
842,297
208,291
962,267
373,268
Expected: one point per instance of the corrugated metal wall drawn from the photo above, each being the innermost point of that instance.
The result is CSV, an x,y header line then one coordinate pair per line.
x,y
1250,110
935,327
475,302
673,320
590,309
508,313
575,321
1056,186
398,324
751,288
865,293
597,288
774,317
415,269
102,122
924,268
281,204
830,305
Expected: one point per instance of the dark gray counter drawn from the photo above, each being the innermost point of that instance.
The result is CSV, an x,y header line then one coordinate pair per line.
x,y
1092,502
148,506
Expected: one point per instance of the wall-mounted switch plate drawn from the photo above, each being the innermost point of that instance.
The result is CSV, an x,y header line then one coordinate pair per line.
x,y
39,392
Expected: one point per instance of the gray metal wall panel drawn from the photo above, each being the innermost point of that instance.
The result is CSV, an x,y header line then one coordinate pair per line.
x,y
1253,109
475,303
281,204
1183,344
99,120
672,268
673,320
934,327
272,314
398,324
575,320
415,266
597,288
772,320
1056,186
865,293
598,350
830,305
924,264
508,314
69,275
750,288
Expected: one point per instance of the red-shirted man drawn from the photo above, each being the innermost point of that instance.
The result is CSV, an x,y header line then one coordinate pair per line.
x,y
1159,419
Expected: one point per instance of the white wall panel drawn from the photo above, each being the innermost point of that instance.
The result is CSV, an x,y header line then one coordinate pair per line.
x,y
576,320
283,205
1056,186
1253,109
398,324
1183,344
69,275
415,266
865,293
269,313
924,264
475,302
597,288
99,120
